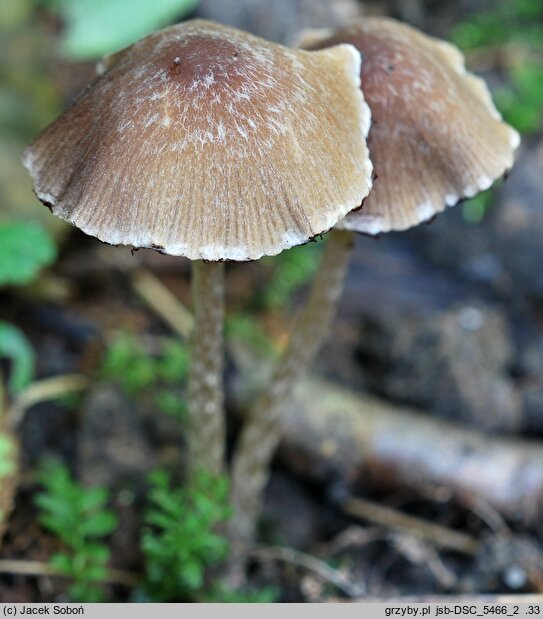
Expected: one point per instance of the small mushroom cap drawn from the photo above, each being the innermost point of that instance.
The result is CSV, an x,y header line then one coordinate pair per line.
x,y
436,136
207,142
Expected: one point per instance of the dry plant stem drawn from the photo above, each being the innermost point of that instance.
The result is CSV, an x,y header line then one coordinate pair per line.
x,y
329,429
441,536
163,302
43,390
262,430
40,568
206,425
312,564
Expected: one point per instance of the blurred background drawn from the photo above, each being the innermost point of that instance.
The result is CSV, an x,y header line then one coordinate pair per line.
x,y
427,475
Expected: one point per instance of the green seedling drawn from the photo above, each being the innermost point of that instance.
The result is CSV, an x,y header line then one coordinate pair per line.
x,y
81,521
140,373
181,541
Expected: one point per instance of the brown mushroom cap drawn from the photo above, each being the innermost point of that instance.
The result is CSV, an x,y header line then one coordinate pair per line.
x,y
204,141
436,136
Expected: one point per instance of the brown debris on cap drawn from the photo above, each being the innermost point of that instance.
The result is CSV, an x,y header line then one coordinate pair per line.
x,y
210,143
436,136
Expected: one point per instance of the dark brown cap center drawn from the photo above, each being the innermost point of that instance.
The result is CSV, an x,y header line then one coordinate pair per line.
x,y
204,63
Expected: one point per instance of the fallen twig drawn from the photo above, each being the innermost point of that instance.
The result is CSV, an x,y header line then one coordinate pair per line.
x,y
308,562
332,433
415,550
40,568
163,302
439,535
353,536
43,390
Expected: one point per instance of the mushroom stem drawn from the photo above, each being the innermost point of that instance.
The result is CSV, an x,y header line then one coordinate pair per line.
x,y
262,430
206,424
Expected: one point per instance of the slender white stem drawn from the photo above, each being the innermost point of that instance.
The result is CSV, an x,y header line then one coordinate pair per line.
x,y
206,424
262,430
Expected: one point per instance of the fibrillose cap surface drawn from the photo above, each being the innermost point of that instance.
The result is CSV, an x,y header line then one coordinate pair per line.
x,y
207,142
436,136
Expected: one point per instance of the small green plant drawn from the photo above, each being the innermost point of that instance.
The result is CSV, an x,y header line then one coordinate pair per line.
x,y
16,348
520,21
127,362
289,271
98,27
520,101
247,328
181,541
519,24
140,373
24,249
474,210
79,518
292,269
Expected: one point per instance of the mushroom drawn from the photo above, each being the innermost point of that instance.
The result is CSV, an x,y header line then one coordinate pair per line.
x,y
435,139
204,141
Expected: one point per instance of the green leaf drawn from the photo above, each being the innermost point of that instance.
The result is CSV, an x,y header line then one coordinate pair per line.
x,y
293,269
475,209
62,562
96,573
93,498
174,365
170,403
98,27
247,328
15,347
24,249
56,508
192,574
100,524
97,553
126,362
517,24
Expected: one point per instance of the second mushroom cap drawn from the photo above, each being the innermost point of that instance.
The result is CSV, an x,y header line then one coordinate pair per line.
x,y
436,136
